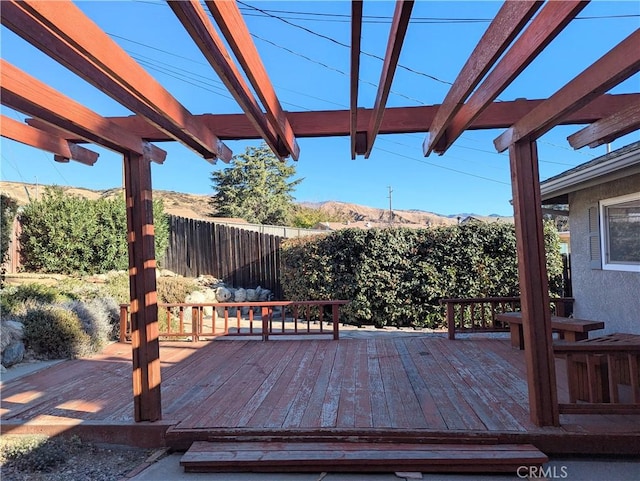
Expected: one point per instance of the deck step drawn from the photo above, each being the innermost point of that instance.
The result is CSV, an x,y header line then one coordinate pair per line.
x,y
206,456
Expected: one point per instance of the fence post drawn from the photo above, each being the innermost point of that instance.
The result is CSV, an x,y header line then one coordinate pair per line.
x,y
124,321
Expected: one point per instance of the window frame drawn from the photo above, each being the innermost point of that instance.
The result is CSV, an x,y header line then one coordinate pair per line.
x,y
604,233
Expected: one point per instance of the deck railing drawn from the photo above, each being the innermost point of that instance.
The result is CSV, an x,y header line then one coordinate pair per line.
x,y
479,314
264,319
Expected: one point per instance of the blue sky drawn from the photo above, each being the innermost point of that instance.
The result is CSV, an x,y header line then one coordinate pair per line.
x,y
310,72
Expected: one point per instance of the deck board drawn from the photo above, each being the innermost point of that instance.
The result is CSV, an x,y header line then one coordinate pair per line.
x,y
405,387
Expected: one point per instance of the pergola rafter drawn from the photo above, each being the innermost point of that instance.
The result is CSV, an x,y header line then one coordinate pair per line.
x,y
196,22
609,128
544,27
234,29
508,22
358,141
65,33
28,95
62,149
614,67
399,26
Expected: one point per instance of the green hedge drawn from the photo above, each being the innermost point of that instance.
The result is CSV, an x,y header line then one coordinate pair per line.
x,y
67,234
397,276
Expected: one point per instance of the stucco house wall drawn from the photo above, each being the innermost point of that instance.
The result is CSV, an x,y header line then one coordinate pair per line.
x,y
604,295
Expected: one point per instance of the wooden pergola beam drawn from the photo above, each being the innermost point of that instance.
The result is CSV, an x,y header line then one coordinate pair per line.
x,y
506,25
614,67
397,120
28,95
66,34
399,25
61,148
608,129
233,27
357,148
196,22
545,26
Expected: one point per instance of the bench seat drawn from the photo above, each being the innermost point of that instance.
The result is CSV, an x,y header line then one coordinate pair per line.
x,y
568,328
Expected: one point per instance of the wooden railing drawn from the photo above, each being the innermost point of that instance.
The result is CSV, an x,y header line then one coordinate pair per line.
x,y
480,314
603,377
264,319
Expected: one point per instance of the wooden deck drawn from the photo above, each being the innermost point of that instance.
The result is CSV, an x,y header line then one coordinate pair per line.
x,y
403,388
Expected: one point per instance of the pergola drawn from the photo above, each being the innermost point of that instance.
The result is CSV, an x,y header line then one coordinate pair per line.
x,y
520,31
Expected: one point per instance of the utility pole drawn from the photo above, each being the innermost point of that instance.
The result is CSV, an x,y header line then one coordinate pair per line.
x,y
390,208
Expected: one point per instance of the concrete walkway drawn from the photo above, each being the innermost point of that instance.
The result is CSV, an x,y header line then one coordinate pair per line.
x,y
583,469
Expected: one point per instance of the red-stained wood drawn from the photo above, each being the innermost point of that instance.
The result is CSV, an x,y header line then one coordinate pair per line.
x,y
506,25
357,148
195,20
66,34
396,120
551,20
399,25
142,285
534,291
30,96
620,63
14,130
608,129
234,29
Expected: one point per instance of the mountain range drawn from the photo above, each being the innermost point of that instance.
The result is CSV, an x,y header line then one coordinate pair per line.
x,y
196,206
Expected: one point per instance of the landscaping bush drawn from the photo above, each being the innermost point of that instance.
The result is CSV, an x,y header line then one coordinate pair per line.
x,y
397,276
17,299
100,319
174,290
66,234
53,332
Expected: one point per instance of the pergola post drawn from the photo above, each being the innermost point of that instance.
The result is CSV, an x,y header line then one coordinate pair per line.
x,y
142,285
534,284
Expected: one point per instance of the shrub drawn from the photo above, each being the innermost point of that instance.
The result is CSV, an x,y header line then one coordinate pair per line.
x,y
99,318
17,299
397,276
173,290
53,332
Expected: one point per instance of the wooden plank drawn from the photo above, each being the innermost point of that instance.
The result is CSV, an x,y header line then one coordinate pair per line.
x,y
608,129
419,385
354,74
532,274
195,20
234,29
39,139
359,457
312,417
66,34
278,403
312,387
505,26
614,67
28,95
551,20
399,25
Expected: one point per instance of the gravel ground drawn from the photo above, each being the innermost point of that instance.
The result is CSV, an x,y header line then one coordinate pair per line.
x,y
36,458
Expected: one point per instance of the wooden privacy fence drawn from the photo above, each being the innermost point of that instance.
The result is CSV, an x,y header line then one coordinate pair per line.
x,y
239,257
264,319
480,314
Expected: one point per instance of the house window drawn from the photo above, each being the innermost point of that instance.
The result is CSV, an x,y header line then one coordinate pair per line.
x,y
620,233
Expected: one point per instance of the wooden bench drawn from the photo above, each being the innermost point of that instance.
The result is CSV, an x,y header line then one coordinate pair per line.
x,y
603,374
568,328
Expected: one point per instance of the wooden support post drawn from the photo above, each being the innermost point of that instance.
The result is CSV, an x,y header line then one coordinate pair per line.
x,y
534,289
142,286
